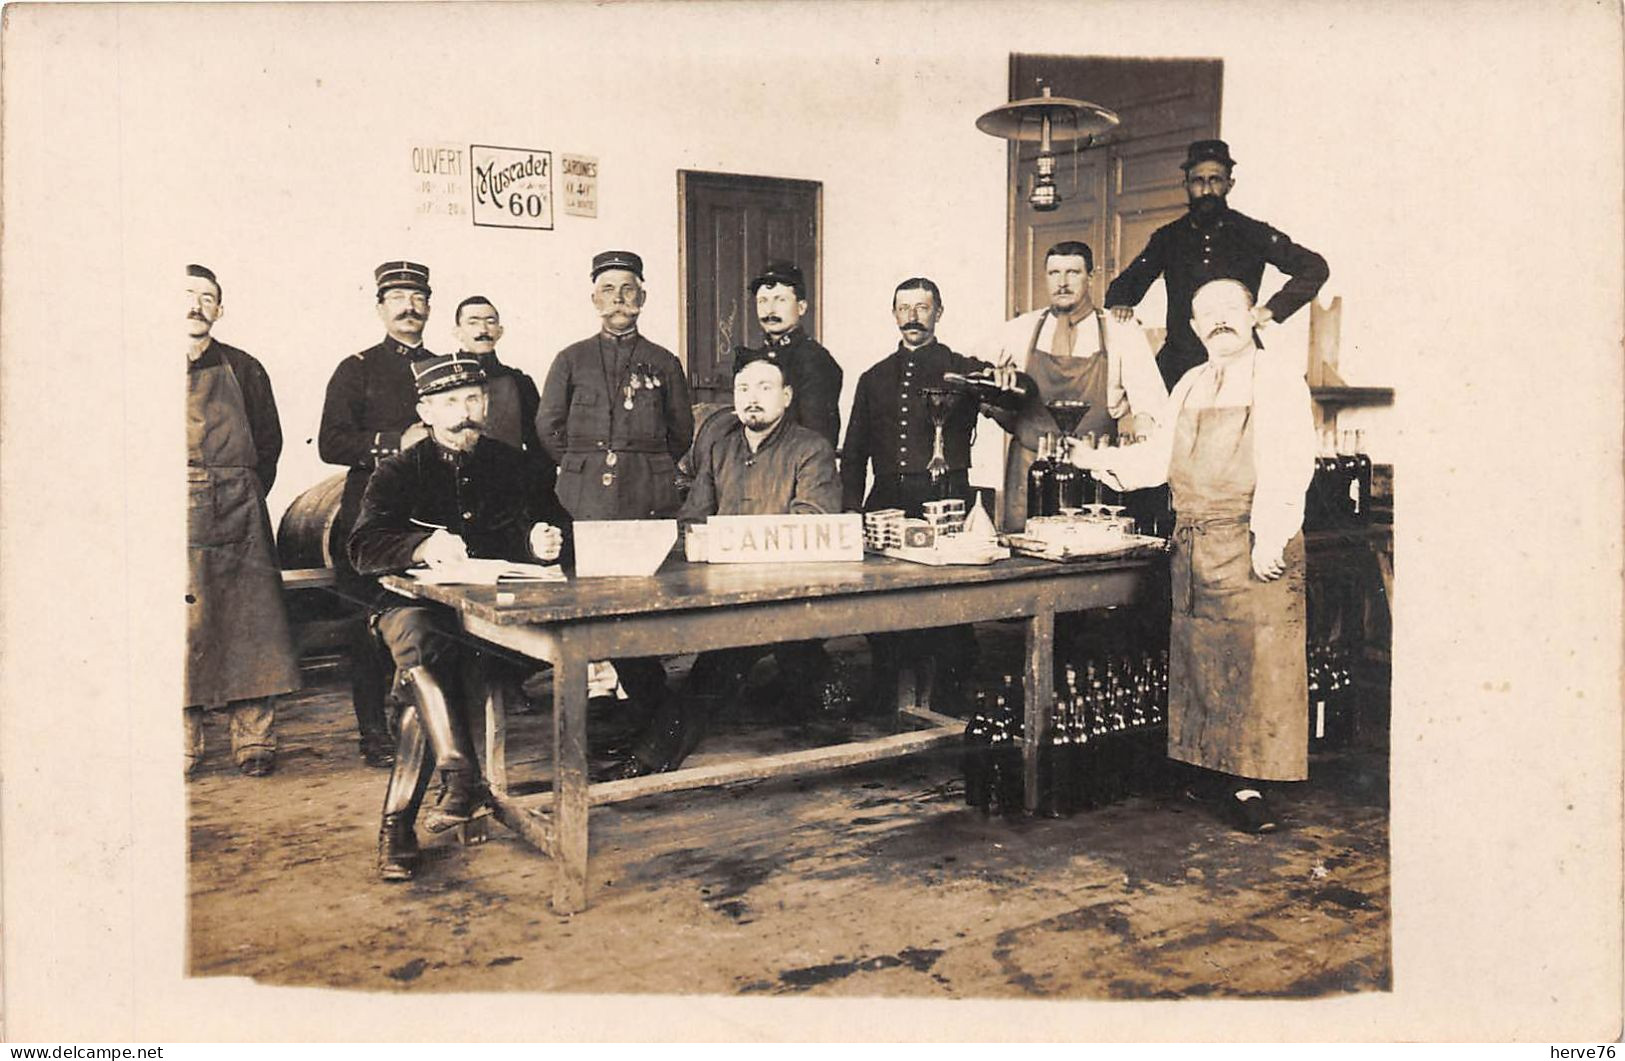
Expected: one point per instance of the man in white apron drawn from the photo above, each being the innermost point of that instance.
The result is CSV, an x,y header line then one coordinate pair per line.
x,y
1237,449
239,654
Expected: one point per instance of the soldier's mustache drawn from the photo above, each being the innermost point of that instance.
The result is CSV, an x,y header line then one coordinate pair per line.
x,y
410,315
468,425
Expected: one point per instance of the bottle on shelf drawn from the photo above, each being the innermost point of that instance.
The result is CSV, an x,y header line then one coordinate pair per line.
x,y
1348,480
1362,475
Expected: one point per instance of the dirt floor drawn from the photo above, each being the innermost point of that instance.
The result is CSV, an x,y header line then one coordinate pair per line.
x,y
871,881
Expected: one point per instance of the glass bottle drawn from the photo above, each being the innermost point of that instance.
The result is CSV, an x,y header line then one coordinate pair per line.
x,y
1041,481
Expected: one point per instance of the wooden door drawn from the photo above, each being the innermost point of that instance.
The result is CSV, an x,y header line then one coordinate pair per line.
x,y
1114,195
731,227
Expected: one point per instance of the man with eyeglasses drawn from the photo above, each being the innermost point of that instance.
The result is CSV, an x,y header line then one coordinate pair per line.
x,y
1212,242
370,413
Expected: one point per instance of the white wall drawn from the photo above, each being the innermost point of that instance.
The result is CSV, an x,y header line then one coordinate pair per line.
x,y
291,159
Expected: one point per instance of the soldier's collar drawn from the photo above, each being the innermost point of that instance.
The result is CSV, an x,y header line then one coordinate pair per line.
x,y
781,342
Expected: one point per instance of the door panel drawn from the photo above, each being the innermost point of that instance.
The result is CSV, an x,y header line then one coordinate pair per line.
x,y
732,226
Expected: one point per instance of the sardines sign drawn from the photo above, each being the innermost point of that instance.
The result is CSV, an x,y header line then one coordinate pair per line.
x,y
511,187
784,539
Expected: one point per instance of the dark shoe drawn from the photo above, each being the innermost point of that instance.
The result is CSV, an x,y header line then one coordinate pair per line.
x,y
398,853
1250,812
628,767
378,751
462,794
258,765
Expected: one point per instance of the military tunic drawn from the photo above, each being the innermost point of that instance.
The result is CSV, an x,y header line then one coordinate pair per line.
x,y
491,497
370,400
1188,254
615,415
814,378
891,427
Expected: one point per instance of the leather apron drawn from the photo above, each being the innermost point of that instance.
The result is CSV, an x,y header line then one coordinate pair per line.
x,y
237,641
1237,687
1080,378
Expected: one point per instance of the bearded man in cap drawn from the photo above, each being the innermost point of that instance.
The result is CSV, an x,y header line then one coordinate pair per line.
x,y
239,653
1212,242
452,495
615,416
370,413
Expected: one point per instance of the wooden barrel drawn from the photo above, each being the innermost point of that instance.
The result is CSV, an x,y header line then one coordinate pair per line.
x,y
304,538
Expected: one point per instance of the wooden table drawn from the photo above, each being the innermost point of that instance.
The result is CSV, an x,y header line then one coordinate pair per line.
x,y
697,607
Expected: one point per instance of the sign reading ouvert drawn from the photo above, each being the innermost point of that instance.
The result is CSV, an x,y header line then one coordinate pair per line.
x,y
511,187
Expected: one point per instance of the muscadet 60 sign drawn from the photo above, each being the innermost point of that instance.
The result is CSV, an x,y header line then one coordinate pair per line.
x,y
511,187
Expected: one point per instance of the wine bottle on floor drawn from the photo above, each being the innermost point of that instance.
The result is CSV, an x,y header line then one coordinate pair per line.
x,y
978,733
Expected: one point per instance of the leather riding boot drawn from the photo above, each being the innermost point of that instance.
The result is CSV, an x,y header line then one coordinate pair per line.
x,y
462,791
369,689
397,842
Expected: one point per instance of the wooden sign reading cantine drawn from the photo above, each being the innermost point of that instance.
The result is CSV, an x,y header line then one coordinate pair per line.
x,y
784,539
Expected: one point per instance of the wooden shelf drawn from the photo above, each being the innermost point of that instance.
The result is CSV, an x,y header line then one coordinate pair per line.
x,y
1352,395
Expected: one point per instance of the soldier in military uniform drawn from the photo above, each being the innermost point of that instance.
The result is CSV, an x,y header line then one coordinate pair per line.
x,y
370,413
1212,242
891,429
780,294
239,653
513,396
615,416
453,495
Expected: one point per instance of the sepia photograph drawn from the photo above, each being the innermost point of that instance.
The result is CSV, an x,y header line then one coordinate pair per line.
x,y
830,509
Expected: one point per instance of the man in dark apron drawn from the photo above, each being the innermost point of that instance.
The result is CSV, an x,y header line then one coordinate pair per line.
x,y
238,650
615,415
369,413
1238,452
1071,351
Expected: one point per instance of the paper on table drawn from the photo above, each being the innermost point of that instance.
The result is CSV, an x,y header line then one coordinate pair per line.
x,y
481,572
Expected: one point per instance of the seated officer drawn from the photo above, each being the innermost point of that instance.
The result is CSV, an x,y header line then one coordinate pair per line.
x,y
456,494
763,464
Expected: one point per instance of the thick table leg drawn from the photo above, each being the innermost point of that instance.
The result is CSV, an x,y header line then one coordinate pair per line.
x,y
570,777
1040,690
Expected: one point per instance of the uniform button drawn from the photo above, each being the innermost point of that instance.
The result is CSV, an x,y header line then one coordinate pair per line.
x,y
612,458
609,477
468,515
